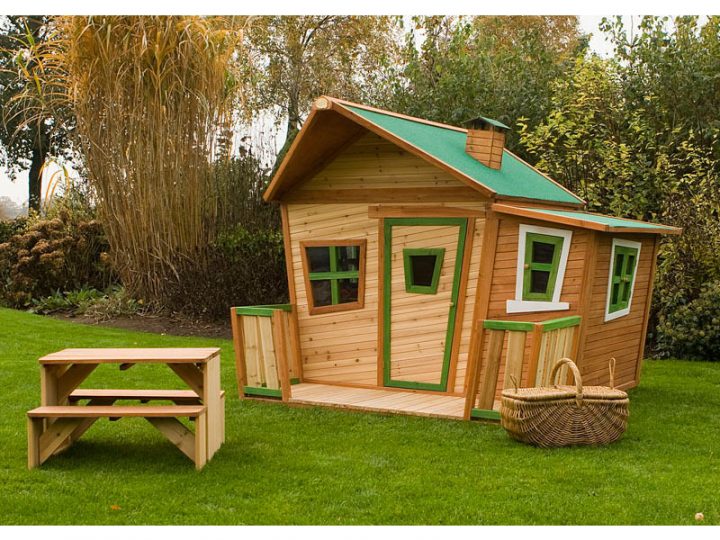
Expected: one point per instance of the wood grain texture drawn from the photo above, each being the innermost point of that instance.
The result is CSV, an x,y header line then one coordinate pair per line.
x,y
623,337
343,347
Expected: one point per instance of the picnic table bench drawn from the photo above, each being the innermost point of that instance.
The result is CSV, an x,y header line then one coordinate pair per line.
x,y
62,419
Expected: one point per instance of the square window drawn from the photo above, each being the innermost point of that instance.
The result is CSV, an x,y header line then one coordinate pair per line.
x,y
334,274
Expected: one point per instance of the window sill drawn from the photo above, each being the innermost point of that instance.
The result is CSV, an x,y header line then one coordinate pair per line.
x,y
617,314
527,306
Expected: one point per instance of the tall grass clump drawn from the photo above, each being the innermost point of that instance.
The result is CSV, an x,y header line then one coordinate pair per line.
x,y
151,97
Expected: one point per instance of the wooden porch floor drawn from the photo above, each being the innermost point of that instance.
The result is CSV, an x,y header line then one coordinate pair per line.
x,y
383,401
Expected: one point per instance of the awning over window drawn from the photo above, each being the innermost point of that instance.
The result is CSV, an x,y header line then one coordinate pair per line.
x,y
587,220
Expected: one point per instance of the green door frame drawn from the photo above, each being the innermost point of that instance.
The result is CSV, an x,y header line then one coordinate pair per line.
x,y
461,223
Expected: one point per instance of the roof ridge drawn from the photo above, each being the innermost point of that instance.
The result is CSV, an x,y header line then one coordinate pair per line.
x,y
346,103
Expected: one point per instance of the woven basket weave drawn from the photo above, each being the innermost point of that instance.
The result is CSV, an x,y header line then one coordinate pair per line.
x,y
565,415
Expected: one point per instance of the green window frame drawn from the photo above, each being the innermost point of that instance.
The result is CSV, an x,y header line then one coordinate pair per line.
x,y
531,238
622,277
410,285
334,275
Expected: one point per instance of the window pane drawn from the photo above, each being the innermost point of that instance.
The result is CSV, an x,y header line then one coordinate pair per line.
x,y
322,295
423,267
542,252
630,265
318,259
619,260
348,289
348,258
615,293
539,281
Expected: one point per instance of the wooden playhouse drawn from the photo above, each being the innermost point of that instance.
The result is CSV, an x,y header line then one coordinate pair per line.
x,y
428,267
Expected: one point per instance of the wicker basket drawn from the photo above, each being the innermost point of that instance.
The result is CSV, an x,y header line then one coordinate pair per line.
x,y
565,415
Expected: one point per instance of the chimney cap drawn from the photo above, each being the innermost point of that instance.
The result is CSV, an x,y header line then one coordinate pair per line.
x,y
482,122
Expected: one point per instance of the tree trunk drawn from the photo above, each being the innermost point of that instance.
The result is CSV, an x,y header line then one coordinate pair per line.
x,y
35,176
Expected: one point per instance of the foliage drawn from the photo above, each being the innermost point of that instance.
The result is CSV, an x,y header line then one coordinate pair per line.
x,y
237,188
10,228
245,267
97,305
150,96
500,67
322,466
74,302
693,330
297,58
638,136
65,250
27,134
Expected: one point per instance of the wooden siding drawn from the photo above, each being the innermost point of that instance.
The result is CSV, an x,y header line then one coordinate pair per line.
x,y
503,286
342,347
620,337
373,162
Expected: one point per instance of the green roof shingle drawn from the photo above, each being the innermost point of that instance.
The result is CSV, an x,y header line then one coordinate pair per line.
x,y
604,220
514,179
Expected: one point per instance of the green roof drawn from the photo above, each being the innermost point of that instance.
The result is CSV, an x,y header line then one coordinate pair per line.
x,y
514,179
603,220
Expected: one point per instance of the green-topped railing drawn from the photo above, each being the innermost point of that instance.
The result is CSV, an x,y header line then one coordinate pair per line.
x,y
550,341
267,351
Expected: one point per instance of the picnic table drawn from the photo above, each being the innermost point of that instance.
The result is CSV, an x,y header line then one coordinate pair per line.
x,y
61,419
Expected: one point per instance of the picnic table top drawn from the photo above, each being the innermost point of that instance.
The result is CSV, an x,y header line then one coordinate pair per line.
x,y
177,355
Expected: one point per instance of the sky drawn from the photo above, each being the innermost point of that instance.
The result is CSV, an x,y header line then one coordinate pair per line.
x,y
17,190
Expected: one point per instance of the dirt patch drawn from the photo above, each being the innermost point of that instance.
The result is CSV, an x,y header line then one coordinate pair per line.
x,y
159,324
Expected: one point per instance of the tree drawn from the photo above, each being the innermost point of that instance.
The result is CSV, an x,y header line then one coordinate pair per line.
x,y
27,144
297,58
637,135
501,67
150,97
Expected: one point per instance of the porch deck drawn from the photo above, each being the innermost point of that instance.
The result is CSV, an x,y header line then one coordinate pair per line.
x,y
382,401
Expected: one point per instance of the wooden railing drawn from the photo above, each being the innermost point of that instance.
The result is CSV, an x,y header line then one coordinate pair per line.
x,y
551,340
267,350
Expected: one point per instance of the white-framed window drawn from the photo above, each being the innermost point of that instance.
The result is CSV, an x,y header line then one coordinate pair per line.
x,y
541,262
625,255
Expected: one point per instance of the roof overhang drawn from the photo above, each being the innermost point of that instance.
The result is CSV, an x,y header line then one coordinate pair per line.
x,y
586,220
332,126
328,130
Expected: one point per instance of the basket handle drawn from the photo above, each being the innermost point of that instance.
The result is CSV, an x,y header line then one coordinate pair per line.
x,y
576,376
612,372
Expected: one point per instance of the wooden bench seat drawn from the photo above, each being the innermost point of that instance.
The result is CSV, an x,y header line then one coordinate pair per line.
x,y
108,396
50,427
177,396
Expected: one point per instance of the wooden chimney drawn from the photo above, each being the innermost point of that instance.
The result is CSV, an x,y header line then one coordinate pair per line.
x,y
486,141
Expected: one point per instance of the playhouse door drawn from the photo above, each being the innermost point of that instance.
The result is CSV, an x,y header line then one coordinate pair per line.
x,y
421,278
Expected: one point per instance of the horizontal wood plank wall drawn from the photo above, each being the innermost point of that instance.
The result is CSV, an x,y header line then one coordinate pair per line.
x,y
342,347
503,285
620,337
373,162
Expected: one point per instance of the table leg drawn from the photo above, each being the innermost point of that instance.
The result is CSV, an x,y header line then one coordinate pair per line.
x,y
213,403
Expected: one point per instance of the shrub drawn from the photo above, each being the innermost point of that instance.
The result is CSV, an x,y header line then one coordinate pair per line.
x,y
244,268
693,330
10,228
62,251
74,302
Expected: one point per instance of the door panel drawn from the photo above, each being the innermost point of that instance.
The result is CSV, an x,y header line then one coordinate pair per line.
x,y
419,320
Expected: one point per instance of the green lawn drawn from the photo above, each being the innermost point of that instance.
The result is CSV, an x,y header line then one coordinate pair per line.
x,y
284,465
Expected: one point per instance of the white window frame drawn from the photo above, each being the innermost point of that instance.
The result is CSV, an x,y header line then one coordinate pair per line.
x,y
621,312
518,305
